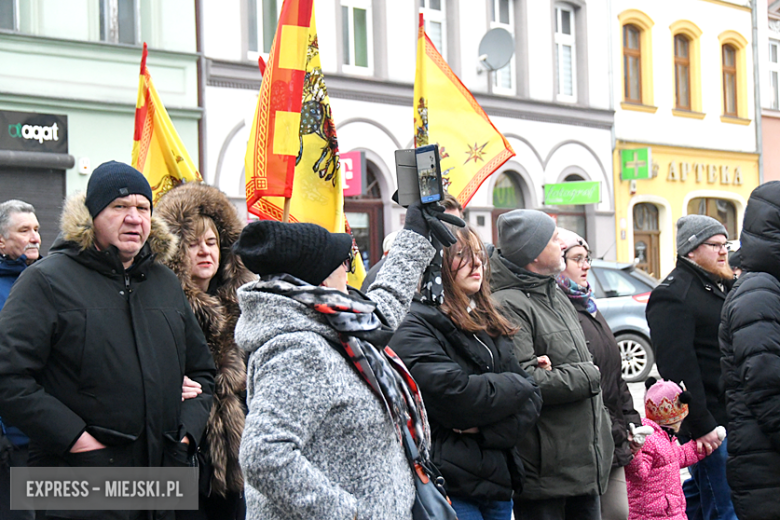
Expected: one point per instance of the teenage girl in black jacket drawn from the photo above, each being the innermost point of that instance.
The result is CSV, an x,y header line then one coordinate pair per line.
x,y
480,402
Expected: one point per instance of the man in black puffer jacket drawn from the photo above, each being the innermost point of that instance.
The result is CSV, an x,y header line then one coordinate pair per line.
x,y
750,343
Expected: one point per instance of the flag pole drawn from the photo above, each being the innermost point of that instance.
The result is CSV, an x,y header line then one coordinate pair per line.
x,y
286,214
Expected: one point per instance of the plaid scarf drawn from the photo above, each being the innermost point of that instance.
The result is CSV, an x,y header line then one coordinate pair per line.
x,y
362,335
577,293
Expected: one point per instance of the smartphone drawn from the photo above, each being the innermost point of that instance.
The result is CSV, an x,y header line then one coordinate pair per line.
x,y
429,173
406,172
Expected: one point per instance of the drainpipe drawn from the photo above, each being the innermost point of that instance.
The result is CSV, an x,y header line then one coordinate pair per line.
x,y
201,89
757,90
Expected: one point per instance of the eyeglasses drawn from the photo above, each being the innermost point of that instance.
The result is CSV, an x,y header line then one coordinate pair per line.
x,y
718,246
463,255
349,263
581,260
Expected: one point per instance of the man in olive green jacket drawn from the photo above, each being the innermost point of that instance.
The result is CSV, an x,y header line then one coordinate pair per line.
x,y
567,456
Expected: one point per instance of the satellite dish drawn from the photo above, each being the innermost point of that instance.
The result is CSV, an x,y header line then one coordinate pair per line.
x,y
496,49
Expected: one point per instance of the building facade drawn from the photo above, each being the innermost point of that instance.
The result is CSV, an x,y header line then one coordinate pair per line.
x,y
552,101
75,64
684,88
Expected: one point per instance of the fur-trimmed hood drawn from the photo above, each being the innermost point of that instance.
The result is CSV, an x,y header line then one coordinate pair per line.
x,y
77,232
217,312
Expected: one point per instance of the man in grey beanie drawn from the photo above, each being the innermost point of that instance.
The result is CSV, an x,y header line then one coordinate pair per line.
x,y
567,457
684,315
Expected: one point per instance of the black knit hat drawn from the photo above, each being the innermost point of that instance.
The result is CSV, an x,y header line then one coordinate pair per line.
x,y
112,180
306,251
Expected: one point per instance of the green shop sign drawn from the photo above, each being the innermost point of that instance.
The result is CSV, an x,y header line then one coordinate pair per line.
x,y
572,193
635,164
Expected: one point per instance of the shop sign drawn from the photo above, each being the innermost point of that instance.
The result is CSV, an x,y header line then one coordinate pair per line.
x,y
31,132
709,173
636,164
571,193
353,170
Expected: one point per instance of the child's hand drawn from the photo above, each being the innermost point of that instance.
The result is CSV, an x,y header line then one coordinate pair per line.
x,y
544,362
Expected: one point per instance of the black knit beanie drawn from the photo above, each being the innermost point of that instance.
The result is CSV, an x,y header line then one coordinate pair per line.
x,y
112,180
306,251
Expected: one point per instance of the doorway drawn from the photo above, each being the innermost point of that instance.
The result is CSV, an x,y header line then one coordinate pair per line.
x,y
646,235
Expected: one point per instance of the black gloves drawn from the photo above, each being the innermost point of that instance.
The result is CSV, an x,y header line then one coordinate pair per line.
x,y
427,219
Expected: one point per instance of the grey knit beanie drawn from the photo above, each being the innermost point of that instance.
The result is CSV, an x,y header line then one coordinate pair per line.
x,y
523,234
694,230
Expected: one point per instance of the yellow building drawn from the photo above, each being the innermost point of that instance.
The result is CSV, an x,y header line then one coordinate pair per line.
x,y
684,181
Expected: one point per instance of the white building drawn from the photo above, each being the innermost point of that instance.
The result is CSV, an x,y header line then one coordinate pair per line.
x,y
556,113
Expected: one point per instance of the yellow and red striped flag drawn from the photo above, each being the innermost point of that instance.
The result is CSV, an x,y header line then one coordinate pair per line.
x,y
445,112
293,150
158,152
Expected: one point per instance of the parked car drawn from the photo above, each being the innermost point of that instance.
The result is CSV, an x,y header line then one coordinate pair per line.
x,y
621,292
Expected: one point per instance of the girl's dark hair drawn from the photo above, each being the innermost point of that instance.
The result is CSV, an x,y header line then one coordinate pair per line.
x,y
485,316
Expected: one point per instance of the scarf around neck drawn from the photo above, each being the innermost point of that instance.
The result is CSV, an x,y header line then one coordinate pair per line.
x,y
362,337
577,293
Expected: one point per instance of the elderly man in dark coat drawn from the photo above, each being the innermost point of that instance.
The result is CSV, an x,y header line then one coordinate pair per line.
x,y
96,338
684,314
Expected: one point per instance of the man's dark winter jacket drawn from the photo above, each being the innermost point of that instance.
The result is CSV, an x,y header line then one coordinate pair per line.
x,y
9,273
684,314
470,380
614,390
569,452
85,345
750,343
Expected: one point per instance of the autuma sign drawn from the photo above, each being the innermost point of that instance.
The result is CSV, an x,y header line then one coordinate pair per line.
x,y
572,193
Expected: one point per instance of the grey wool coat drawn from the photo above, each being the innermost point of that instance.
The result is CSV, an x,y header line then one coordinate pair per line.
x,y
318,444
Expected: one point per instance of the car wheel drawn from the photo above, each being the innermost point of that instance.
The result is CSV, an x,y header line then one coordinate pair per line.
x,y
636,356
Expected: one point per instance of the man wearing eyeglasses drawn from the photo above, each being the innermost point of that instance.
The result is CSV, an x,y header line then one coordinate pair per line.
x,y
684,314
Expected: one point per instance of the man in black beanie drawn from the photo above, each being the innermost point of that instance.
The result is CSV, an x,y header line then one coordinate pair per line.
x,y
96,339
568,457
683,313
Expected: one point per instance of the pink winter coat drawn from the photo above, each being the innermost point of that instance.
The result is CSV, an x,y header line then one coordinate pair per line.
x,y
653,477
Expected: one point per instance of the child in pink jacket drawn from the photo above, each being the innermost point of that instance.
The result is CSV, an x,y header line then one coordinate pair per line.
x,y
653,476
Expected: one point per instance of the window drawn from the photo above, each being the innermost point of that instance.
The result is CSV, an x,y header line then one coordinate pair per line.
x,y
8,15
682,73
632,64
507,193
117,21
637,39
356,36
502,15
435,23
721,210
774,70
565,54
263,18
729,81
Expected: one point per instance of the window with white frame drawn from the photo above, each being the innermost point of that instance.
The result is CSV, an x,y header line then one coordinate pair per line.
x,y
356,34
118,21
8,12
434,14
502,15
263,16
774,72
111,21
565,54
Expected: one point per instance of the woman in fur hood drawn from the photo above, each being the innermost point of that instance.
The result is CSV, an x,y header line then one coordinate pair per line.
x,y
207,225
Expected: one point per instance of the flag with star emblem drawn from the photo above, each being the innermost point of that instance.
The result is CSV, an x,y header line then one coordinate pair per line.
x,y
445,112
293,151
158,152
